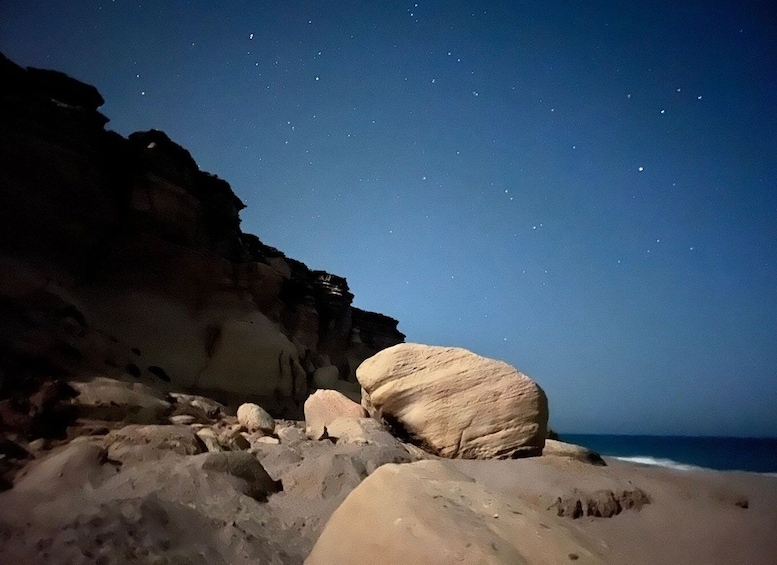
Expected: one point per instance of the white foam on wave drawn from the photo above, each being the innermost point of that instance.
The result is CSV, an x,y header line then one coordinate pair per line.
x,y
658,462
671,464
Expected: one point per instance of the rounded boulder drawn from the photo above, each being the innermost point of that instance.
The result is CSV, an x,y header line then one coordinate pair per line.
x,y
455,403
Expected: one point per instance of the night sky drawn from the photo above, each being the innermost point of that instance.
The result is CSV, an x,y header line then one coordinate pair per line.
x,y
586,190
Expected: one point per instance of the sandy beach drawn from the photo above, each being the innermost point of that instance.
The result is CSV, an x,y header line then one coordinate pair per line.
x,y
693,517
72,505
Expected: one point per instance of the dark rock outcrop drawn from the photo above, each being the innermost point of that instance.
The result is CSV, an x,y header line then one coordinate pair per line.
x,y
122,256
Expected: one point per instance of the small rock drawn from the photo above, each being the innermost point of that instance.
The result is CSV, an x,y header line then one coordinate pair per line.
x,y
238,429
269,440
198,406
255,418
239,443
291,434
226,436
37,445
276,459
324,406
208,437
363,431
317,433
182,419
580,453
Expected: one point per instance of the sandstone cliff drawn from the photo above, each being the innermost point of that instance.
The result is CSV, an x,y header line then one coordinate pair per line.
x,y
121,255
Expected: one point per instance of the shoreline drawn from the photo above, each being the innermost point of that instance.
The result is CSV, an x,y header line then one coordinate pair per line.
x,y
623,512
698,516
757,455
648,461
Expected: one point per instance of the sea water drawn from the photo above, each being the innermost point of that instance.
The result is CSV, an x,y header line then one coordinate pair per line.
x,y
758,455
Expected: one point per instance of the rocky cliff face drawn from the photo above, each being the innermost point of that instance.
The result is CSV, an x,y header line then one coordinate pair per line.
x,y
121,255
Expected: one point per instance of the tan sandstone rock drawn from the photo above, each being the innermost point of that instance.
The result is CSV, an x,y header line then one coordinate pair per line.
x,y
255,418
427,512
457,403
578,452
137,443
209,438
258,484
203,409
361,431
324,406
104,398
258,358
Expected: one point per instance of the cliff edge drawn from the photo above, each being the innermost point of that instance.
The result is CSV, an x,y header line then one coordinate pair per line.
x,y
119,255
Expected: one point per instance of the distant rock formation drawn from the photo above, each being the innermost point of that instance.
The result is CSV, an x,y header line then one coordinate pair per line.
x,y
121,255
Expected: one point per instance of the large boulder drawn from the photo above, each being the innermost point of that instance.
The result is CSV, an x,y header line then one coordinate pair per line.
x,y
428,512
456,403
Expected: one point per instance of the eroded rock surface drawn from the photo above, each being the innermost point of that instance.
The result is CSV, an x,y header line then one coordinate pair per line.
x,y
562,449
103,398
427,512
456,403
600,503
199,492
324,406
255,418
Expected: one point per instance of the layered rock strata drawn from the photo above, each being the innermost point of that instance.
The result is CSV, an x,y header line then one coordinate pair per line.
x,y
455,403
122,256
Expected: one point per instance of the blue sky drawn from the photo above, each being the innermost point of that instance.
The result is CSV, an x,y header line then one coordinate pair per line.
x,y
587,190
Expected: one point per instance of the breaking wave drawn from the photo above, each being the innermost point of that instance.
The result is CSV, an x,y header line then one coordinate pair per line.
x,y
670,464
658,462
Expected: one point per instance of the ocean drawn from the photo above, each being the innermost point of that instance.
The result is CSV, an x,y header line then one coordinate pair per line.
x,y
757,455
